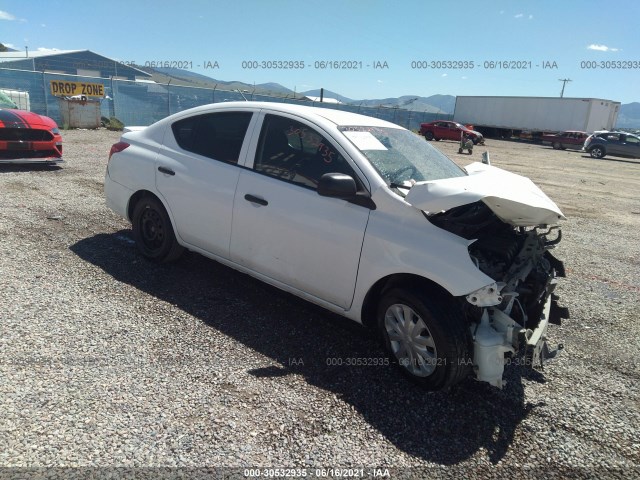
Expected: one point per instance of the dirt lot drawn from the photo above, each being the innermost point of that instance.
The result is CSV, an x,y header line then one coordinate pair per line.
x,y
107,360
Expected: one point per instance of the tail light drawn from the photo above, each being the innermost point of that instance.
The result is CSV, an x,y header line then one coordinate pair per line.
x,y
117,148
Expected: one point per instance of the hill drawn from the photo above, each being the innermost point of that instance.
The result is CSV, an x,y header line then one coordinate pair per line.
x,y
432,104
629,116
178,76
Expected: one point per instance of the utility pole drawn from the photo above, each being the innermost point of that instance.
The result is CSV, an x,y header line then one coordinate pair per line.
x,y
564,82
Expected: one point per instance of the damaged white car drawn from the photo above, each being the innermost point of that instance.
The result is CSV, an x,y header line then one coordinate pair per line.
x,y
452,267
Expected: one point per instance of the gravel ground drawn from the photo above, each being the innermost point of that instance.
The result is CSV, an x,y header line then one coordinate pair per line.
x,y
107,360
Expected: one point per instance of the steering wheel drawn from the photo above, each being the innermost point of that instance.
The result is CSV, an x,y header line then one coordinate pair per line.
x,y
394,176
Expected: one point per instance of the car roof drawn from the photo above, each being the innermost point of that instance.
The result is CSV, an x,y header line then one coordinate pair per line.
x,y
337,117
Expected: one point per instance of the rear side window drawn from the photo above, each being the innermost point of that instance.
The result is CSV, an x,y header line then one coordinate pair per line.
x,y
215,135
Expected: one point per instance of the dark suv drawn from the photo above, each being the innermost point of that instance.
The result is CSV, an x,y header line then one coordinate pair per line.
x,y
613,143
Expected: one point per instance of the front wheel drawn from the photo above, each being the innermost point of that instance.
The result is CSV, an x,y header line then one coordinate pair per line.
x,y
597,152
426,336
428,135
557,145
153,233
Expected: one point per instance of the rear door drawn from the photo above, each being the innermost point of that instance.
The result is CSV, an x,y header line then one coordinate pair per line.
x,y
197,172
282,228
614,144
630,146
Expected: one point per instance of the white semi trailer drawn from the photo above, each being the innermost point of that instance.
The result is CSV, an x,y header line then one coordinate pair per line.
x,y
507,116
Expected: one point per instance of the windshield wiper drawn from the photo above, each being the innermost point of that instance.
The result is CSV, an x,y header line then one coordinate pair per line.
x,y
402,186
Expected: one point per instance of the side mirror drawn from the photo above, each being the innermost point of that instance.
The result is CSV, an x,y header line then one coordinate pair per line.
x,y
337,185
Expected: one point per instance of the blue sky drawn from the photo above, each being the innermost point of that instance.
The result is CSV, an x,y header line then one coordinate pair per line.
x,y
567,33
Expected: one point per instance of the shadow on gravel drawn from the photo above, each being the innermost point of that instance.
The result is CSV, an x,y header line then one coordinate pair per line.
x,y
609,159
25,167
440,427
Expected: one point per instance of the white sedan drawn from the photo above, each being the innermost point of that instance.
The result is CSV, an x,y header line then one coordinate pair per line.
x,y
358,215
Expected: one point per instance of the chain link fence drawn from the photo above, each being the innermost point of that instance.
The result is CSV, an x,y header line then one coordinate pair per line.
x,y
145,102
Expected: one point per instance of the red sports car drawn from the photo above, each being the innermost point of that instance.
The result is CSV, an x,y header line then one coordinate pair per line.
x,y
446,130
26,137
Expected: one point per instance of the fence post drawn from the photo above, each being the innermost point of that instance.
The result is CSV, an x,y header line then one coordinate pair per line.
x,y
168,99
113,99
44,94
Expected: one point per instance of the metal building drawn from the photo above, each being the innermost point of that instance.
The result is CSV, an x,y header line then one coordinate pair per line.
x,y
71,62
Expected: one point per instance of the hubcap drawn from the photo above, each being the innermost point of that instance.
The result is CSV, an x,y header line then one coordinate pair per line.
x,y
152,229
411,340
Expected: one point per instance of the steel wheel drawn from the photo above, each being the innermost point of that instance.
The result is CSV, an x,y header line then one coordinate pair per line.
x,y
426,334
410,339
152,231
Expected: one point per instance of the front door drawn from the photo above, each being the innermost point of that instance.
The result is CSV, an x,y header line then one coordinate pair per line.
x,y
282,228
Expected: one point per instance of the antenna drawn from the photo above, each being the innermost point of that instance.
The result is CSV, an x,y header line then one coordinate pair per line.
x,y
564,82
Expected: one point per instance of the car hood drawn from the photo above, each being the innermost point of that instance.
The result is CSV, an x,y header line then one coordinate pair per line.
x,y
515,199
11,118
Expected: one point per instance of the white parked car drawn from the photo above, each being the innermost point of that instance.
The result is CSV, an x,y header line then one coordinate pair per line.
x,y
358,215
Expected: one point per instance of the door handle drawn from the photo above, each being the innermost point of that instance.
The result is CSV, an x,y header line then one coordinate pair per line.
x,y
254,199
166,170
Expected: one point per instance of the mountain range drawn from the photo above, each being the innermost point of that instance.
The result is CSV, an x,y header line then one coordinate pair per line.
x,y
629,116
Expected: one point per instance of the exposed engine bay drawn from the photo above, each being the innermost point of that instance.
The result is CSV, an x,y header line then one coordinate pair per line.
x,y
511,316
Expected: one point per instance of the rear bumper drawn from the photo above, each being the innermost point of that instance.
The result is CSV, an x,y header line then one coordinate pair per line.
x,y
117,196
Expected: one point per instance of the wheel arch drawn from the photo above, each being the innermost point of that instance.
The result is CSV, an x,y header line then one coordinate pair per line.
x,y
407,280
139,195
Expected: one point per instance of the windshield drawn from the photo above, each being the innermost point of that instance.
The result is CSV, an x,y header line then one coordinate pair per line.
x,y
400,156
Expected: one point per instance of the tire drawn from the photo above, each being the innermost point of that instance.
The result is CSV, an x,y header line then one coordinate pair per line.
x,y
153,232
475,141
557,146
459,150
428,135
434,355
597,152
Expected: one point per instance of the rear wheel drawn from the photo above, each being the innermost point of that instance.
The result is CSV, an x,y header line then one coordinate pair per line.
x,y
428,135
426,336
153,232
557,145
597,152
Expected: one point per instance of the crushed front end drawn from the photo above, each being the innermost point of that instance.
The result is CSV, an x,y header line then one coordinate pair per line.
x,y
509,318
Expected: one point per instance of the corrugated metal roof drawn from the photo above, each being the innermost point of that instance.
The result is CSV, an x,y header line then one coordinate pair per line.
x,y
12,56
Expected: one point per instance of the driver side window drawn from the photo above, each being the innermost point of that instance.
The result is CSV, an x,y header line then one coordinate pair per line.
x,y
294,152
